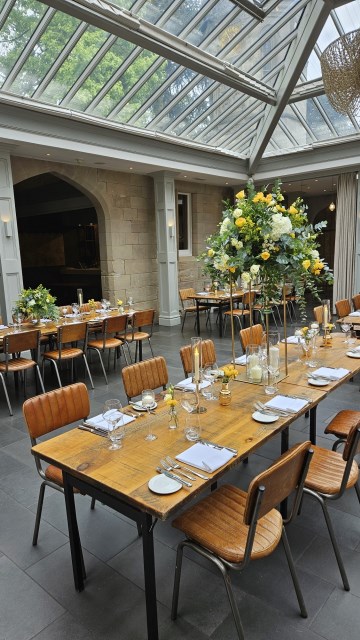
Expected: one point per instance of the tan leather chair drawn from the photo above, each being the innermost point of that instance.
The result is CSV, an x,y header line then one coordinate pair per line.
x,y
208,355
343,308
46,413
148,374
318,314
85,308
231,527
329,475
112,330
139,321
186,298
14,362
248,300
251,335
341,425
356,301
71,344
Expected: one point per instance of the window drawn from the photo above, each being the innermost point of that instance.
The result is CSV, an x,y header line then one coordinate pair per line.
x,y
184,224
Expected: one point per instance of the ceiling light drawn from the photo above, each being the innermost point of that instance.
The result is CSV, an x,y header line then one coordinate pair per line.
x,y
332,206
340,67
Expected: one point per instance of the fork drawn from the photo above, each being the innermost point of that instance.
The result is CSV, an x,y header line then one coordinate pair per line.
x,y
169,467
175,465
284,412
269,411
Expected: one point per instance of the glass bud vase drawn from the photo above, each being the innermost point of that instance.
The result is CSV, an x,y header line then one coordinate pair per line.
x,y
173,418
225,394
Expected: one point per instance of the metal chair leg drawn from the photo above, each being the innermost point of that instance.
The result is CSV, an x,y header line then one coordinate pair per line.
x,y
177,576
294,576
88,371
6,395
92,506
38,513
151,349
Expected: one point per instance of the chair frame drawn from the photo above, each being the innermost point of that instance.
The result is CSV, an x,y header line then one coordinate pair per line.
x,y
343,308
69,333
240,314
140,319
185,295
13,345
258,503
111,328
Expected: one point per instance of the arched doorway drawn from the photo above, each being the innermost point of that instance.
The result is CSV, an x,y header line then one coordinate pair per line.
x,y
58,235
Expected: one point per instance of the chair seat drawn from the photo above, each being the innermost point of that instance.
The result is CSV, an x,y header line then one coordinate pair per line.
x,y
216,523
326,472
110,343
68,353
237,312
192,308
18,364
340,426
138,335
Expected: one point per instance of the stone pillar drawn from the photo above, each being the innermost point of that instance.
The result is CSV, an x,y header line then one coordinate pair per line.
x,y
10,262
165,212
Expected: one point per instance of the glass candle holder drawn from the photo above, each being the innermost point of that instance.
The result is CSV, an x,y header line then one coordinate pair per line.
x,y
253,363
196,358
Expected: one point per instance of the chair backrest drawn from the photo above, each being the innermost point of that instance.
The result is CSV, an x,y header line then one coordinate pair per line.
x,y
55,409
147,374
74,332
343,308
208,355
115,324
318,314
143,319
84,308
356,301
24,341
186,296
248,298
285,476
68,308
251,335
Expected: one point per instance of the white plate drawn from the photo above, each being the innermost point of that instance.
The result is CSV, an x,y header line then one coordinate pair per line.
x,y
262,417
164,485
138,407
352,354
318,382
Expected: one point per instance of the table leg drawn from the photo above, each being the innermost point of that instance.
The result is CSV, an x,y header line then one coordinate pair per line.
x,y
313,425
149,575
74,537
197,317
284,447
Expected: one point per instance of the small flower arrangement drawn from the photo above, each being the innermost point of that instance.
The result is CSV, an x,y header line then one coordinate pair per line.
x,y
120,306
171,402
36,303
229,373
92,304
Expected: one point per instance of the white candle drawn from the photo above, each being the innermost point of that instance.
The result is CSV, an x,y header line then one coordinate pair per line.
x,y
196,364
256,373
325,315
274,356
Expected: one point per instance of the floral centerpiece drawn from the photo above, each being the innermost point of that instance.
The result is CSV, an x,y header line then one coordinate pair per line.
x,y
120,306
260,238
229,373
170,400
36,303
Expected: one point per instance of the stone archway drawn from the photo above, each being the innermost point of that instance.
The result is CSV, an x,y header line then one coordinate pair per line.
x,y
59,220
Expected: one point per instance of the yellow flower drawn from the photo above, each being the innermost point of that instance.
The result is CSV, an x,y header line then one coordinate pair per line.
x,y
269,197
316,272
232,269
292,209
240,195
171,402
292,235
240,222
211,252
265,255
259,197
229,372
119,302
306,264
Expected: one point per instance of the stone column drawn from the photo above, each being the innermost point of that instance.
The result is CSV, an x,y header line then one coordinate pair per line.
x,y
165,212
10,263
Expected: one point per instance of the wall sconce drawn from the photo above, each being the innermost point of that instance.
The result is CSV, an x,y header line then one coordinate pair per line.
x,y
8,229
332,206
171,230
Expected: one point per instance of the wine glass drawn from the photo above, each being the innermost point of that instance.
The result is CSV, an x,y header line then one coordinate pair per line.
x,y
345,328
76,309
189,401
210,374
18,318
352,337
148,401
64,311
104,305
113,416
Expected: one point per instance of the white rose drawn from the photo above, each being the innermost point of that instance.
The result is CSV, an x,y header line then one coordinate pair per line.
x,y
280,225
245,277
314,254
254,269
237,213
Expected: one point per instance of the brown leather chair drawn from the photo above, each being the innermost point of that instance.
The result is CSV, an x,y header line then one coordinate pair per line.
x,y
248,301
112,329
85,308
139,321
71,344
208,355
343,308
46,413
251,335
356,301
186,297
329,475
318,314
341,425
231,527
14,362
148,374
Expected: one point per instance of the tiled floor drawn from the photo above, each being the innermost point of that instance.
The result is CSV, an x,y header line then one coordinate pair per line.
x,y
37,597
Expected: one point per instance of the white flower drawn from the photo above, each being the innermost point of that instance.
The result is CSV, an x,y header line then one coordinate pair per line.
x,y
167,397
245,277
314,253
254,269
237,213
280,225
225,225
236,243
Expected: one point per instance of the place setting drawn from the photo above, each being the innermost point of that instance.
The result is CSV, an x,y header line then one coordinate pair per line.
x,y
324,375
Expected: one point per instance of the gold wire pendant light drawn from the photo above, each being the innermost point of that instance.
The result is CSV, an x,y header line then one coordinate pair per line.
x,y
340,66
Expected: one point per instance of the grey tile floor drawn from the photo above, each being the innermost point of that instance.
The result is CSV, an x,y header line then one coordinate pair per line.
x,y
37,597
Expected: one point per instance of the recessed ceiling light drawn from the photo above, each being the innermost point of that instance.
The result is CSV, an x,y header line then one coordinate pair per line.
x,y
48,154
130,168
226,183
185,176
316,179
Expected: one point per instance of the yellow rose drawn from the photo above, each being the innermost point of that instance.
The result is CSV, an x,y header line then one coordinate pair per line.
x,y
211,253
316,272
259,197
232,269
240,195
119,303
240,222
292,235
292,209
306,264
269,197
265,255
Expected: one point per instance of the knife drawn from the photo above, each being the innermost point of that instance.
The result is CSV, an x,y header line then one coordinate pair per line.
x,y
91,430
218,446
173,476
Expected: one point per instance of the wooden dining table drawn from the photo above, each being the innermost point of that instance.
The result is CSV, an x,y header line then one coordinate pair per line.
x,y
220,299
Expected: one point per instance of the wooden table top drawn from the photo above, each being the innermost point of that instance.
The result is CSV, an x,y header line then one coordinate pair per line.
x,y
219,296
349,320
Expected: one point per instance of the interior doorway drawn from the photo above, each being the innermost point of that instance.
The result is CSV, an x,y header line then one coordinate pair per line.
x,y
58,236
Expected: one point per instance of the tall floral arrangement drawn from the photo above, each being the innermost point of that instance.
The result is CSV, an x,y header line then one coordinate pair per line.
x,y
36,303
261,239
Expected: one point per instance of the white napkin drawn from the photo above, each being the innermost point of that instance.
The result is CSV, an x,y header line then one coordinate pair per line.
x,y
45,320
241,359
189,384
287,404
203,293
332,374
3,326
200,453
355,349
354,313
293,339
98,421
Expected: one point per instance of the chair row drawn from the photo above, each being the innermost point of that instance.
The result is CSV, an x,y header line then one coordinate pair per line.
x,y
343,308
229,527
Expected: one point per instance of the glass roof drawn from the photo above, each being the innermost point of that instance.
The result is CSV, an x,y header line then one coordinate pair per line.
x,y
210,72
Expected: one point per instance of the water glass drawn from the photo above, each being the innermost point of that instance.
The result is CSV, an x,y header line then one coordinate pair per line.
x,y
189,401
115,419
345,328
148,402
270,386
352,337
192,429
210,373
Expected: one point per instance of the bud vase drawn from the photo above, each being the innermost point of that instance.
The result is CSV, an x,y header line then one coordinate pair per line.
x,y
173,418
225,394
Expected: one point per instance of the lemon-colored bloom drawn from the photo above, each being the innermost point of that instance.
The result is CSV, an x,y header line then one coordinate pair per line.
x,y
265,255
232,269
306,264
240,195
211,253
240,222
119,302
292,209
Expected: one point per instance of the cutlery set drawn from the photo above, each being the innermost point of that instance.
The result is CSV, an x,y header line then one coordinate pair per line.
x,y
168,465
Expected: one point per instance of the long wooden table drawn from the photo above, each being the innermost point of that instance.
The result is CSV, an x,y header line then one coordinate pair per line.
x,y
211,299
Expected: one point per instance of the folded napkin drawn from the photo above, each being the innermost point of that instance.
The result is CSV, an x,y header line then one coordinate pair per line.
x,y
355,349
45,320
99,422
200,453
293,339
203,293
332,374
190,385
3,326
287,404
354,313
241,359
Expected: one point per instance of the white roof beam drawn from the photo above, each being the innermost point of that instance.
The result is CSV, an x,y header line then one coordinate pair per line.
x,y
305,90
